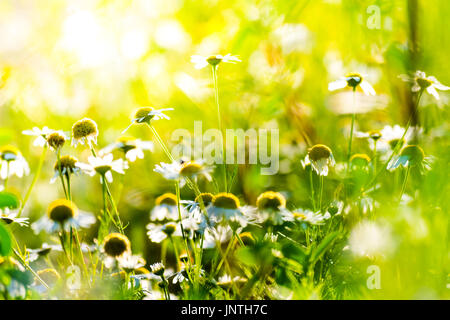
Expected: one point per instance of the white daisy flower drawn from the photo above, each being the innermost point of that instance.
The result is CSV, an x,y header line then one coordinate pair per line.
x,y
320,158
40,134
131,147
219,234
166,208
352,80
84,131
146,114
12,163
130,263
103,166
63,213
67,165
200,62
270,208
183,171
157,233
308,216
411,156
9,217
421,82
226,209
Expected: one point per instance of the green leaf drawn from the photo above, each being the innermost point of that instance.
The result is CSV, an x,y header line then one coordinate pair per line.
x,y
9,200
5,241
320,250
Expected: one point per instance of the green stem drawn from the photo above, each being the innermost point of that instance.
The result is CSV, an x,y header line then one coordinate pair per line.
x,y
58,154
312,188
36,176
349,153
161,142
321,193
219,118
404,182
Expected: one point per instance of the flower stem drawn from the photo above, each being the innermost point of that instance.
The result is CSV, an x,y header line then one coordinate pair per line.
x,y
58,154
161,143
321,193
36,176
349,153
404,182
219,118
312,188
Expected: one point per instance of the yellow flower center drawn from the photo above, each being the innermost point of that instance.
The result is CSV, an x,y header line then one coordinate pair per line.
x,y
84,128
375,135
226,200
299,216
56,140
206,197
9,153
169,228
353,79
61,210
102,169
116,244
360,160
214,60
270,200
319,151
414,153
167,198
142,115
190,169
66,162
126,143
424,83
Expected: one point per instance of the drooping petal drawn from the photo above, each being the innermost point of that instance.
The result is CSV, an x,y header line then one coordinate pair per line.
x,y
338,84
432,90
367,88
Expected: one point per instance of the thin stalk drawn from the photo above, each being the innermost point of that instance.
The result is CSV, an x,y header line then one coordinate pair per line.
x,y
36,176
177,189
374,156
405,180
23,262
58,155
161,142
349,153
321,193
219,118
312,188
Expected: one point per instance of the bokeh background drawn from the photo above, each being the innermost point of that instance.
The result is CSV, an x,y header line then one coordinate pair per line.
x,y
64,60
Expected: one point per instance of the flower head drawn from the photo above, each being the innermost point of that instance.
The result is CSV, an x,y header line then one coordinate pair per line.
x,y
421,82
352,80
410,156
84,130
200,62
12,162
320,157
146,114
359,161
103,166
158,233
310,217
165,208
56,140
66,165
116,245
62,210
131,147
184,171
9,217
157,268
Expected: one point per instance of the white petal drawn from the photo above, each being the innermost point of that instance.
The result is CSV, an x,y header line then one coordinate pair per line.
x,y
367,88
338,84
431,90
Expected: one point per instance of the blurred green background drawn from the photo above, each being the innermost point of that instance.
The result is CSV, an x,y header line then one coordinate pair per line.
x,y
61,61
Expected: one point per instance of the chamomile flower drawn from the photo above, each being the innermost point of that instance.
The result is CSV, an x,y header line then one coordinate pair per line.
x,y
218,234
183,171
158,269
226,281
391,135
12,162
9,217
310,217
200,62
63,213
421,82
157,233
146,114
84,131
270,208
103,166
360,161
40,134
352,80
226,208
410,156
131,147
166,208
56,140
116,245
130,263
67,165
320,158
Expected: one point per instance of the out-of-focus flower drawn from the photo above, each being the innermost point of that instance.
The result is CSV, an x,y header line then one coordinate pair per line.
x,y
320,158
12,162
270,208
308,216
157,233
63,213
200,62
352,80
66,166
103,166
411,156
131,147
370,239
40,134
9,217
146,114
183,171
130,263
421,82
